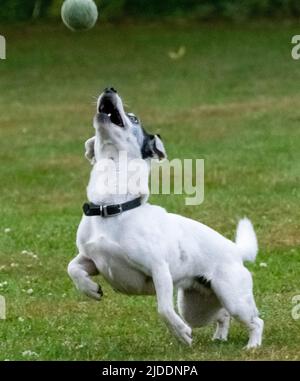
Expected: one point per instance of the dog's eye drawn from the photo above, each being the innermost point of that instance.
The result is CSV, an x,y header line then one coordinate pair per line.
x,y
133,118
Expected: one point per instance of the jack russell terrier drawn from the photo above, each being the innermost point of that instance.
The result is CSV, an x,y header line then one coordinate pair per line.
x,y
141,249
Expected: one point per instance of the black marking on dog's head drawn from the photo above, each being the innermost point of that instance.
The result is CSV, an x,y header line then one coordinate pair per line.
x,y
146,147
149,148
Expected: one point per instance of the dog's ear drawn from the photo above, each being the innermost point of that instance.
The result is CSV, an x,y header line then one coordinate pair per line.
x,y
89,150
153,147
159,148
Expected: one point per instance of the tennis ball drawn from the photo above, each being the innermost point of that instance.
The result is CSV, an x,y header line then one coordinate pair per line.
x,y
79,14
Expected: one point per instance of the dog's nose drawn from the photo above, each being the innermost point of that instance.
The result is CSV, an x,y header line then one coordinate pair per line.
x,y
109,90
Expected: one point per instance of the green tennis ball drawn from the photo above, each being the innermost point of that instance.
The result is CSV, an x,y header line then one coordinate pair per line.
x,y
79,14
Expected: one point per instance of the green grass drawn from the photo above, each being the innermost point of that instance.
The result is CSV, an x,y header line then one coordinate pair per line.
x,y
233,100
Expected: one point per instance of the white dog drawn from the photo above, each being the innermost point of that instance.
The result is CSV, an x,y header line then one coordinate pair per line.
x,y
141,249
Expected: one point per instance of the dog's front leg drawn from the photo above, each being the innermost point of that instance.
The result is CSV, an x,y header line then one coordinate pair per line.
x,y
80,269
163,283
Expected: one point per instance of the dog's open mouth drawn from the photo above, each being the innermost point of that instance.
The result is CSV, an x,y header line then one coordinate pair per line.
x,y
107,107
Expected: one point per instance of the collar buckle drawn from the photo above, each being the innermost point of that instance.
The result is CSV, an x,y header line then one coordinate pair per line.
x,y
104,212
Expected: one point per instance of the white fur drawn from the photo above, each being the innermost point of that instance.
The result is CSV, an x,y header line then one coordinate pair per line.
x,y
246,240
148,251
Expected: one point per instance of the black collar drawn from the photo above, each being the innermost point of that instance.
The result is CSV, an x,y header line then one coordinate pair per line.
x,y
90,209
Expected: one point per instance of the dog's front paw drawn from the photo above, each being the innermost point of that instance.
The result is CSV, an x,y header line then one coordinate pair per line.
x,y
184,334
90,288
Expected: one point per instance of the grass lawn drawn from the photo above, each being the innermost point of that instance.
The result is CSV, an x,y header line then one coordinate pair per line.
x,y
233,100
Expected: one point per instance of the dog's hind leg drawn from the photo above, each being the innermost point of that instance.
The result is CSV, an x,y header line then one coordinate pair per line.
x,y
163,283
234,289
223,324
80,269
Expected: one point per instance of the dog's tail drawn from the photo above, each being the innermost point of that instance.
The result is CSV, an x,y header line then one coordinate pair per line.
x,y
246,240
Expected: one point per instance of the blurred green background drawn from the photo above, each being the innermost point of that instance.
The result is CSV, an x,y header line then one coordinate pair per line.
x,y
115,10
224,91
